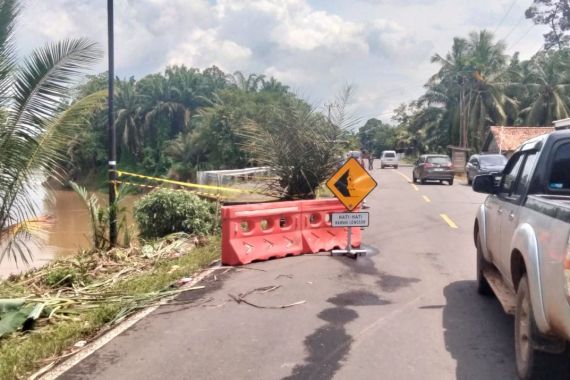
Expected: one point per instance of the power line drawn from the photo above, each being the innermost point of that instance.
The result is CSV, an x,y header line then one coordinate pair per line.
x,y
505,16
513,28
523,36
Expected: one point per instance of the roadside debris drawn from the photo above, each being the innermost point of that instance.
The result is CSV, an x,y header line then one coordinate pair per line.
x,y
64,289
240,298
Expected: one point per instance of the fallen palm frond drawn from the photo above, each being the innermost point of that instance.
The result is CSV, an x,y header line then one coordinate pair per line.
x,y
90,292
67,288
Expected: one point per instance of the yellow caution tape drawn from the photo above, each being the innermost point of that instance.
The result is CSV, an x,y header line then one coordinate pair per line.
x,y
205,195
188,184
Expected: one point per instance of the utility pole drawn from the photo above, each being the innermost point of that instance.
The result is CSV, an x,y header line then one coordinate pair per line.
x,y
460,81
111,131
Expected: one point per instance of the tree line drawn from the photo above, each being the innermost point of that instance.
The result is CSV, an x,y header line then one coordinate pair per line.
x,y
477,85
176,122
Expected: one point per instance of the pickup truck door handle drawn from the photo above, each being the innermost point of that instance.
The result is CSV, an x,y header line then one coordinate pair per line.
x,y
500,211
511,215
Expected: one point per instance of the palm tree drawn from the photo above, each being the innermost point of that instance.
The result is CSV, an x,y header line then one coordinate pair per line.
x,y
189,86
488,103
250,84
273,85
448,88
128,113
161,98
548,84
470,87
36,123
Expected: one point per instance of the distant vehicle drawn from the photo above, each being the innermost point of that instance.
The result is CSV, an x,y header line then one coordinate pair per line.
x,y
521,235
353,153
389,158
436,167
479,164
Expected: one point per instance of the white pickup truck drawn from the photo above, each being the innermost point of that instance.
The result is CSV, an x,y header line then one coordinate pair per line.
x,y
522,235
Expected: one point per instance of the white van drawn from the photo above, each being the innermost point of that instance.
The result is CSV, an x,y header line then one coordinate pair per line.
x,y
389,158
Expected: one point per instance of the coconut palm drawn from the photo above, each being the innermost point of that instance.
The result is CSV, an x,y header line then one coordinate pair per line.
x,y
471,87
36,123
487,100
548,84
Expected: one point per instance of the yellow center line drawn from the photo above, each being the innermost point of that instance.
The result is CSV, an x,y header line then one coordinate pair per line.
x,y
404,176
426,198
415,187
448,220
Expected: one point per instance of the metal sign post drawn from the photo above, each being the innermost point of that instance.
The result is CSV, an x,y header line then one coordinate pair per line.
x,y
350,185
351,220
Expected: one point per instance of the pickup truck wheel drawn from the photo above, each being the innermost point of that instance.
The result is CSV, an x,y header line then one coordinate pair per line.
x,y
483,286
533,363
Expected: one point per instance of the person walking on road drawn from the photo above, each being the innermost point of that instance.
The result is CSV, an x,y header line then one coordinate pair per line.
x,y
363,156
370,161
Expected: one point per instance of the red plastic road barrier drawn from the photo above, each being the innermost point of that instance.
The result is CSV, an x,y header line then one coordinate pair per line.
x,y
260,231
318,234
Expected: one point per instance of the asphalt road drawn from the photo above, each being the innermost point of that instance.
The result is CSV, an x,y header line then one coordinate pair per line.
x,y
409,310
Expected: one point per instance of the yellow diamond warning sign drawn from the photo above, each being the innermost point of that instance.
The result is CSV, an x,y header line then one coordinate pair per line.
x,y
351,184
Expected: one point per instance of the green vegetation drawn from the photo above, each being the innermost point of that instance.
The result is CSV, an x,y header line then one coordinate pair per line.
x,y
555,14
111,294
177,122
300,145
36,120
165,211
477,86
99,217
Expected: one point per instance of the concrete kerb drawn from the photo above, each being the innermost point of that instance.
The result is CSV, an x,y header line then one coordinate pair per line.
x,y
56,369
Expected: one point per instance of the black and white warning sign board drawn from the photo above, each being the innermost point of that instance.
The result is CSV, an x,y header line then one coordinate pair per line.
x,y
349,219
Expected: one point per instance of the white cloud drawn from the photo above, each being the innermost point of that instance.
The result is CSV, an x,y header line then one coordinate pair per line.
x,y
203,48
383,47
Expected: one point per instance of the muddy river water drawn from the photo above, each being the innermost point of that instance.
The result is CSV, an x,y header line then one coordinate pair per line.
x,y
69,233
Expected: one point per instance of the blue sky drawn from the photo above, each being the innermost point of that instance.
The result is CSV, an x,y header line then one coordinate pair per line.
x,y
381,47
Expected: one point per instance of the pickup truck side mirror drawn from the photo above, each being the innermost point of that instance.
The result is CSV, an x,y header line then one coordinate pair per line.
x,y
485,184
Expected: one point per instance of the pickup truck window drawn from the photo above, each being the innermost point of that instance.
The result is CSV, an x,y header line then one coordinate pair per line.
x,y
510,174
560,174
525,174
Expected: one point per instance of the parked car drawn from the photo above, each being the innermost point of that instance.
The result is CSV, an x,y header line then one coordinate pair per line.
x,y
433,167
353,153
521,235
389,158
484,164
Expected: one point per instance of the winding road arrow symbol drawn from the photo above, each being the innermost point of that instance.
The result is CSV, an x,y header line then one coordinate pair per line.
x,y
342,184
